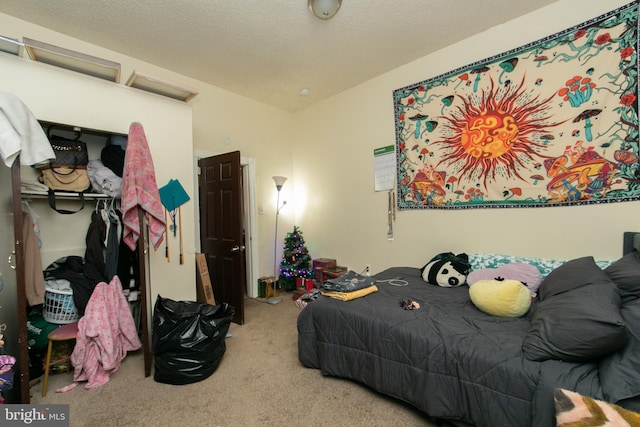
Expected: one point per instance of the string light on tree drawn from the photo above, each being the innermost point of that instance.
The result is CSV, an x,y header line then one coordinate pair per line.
x,y
296,261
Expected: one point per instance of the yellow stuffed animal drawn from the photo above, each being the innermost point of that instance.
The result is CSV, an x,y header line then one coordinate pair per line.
x,y
501,298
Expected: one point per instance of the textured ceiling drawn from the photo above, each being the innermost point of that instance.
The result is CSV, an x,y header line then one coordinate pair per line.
x,y
268,50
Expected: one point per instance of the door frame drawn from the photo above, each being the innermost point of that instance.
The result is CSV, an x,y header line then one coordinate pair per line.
x,y
249,199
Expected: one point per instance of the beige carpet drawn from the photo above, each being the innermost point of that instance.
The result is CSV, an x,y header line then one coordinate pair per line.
x,y
259,382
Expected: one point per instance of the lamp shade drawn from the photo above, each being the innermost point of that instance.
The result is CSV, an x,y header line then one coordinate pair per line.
x,y
279,180
324,9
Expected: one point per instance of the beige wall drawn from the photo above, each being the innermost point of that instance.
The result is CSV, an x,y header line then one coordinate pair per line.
x,y
226,122
345,219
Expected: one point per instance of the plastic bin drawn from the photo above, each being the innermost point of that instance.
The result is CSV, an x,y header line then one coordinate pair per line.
x,y
59,307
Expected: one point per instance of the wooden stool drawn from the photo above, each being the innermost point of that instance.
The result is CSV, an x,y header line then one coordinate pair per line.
x,y
63,333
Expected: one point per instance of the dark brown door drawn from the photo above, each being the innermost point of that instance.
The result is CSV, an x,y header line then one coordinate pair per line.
x,y
220,192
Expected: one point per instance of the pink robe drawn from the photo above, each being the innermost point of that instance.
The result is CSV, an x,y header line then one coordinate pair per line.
x,y
106,333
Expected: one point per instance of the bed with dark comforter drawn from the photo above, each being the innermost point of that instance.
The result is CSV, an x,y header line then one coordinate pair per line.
x,y
455,362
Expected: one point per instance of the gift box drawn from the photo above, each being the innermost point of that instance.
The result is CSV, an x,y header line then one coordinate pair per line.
x,y
324,263
303,283
318,274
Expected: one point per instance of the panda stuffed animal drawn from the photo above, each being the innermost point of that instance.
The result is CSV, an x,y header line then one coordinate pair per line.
x,y
447,270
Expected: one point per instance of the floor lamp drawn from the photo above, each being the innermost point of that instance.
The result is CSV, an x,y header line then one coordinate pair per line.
x,y
279,180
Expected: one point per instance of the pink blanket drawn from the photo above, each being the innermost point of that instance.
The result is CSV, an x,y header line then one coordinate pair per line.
x,y
140,191
106,333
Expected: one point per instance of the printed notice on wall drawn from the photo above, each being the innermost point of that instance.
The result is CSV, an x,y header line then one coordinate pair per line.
x,y
385,168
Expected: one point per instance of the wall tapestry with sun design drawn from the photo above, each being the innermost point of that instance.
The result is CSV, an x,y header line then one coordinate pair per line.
x,y
552,123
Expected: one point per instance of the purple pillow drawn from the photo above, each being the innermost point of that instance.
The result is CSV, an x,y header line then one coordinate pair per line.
x,y
528,274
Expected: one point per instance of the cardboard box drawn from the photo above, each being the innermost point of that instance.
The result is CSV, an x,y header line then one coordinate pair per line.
x,y
204,291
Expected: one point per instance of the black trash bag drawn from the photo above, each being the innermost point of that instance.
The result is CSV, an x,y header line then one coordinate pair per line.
x,y
188,339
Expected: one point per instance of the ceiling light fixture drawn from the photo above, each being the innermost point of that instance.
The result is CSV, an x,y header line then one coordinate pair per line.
x,y
324,9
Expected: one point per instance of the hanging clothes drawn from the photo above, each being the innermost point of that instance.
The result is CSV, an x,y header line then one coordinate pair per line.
x,y
96,236
34,277
129,267
21,134
140,191
113,244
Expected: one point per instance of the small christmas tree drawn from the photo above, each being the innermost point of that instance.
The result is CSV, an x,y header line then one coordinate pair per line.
x,y
296,261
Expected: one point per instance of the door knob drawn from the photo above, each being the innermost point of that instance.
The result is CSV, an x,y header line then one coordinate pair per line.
x,y
237,248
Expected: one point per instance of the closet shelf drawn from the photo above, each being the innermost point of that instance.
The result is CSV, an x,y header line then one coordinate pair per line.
x,y
64,195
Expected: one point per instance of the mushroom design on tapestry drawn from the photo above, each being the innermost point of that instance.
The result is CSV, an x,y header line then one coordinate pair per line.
x,y
431,125
536,178
625,157
540,59
586,115
446,102
578,90
432,189
556,166
423,154
515,191
594,170
451,182
477,72
418,118
507,66
462,78
564,182
546,138
420,180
